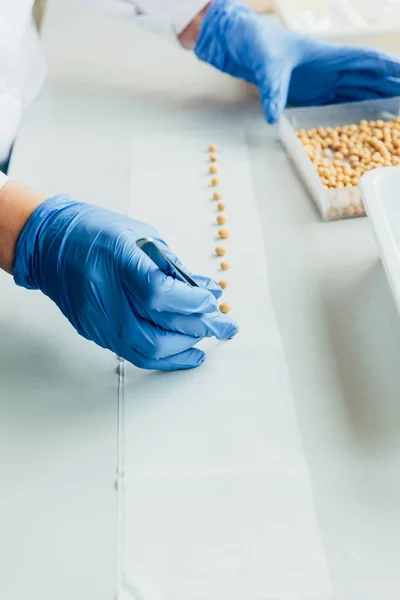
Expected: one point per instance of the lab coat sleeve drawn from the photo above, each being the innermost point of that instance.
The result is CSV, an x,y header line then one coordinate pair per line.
x,y
158,15
14,19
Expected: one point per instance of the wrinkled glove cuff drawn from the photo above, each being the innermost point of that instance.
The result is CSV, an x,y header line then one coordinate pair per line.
x,y
217,29
27,265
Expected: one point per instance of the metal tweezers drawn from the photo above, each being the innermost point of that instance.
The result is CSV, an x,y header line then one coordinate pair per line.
x,y
154,251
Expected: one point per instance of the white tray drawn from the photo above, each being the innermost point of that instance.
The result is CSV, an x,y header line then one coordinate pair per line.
x,y
331,203
341,19
381,194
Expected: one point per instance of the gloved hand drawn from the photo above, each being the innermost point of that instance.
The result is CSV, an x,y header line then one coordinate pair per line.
x,y
86,260
289,67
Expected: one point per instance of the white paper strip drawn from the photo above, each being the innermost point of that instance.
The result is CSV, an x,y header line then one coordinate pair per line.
x,y
218,503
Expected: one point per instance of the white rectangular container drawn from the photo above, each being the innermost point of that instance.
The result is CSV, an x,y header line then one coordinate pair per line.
x,y
332,203
364,22
381,194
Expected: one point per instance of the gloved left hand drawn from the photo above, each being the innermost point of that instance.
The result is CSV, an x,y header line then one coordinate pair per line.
x,y
289,67
87,261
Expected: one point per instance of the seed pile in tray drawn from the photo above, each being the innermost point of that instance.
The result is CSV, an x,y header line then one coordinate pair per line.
x,y
341,155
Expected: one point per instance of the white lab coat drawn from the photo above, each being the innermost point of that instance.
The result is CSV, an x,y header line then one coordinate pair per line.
x,y
22,63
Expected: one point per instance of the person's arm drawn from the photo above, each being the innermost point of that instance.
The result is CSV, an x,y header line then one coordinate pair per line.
x,y
162,16
188,37
287,67
87,261
17,204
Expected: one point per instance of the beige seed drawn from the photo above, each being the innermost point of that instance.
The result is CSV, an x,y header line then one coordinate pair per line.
x,y
221,206
217,196
225,307
215,181
213,169
350,211
225,266
221,219
213,158
360,210
223,284
223,233
220,251
212,148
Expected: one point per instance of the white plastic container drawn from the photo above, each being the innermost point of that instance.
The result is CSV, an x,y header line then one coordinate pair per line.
x,y
381,194
348,21
331,203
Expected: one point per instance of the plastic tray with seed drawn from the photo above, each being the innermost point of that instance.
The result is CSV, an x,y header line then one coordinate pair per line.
x,y
332,203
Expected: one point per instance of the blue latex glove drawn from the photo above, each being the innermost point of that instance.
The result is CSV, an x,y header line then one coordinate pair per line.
x,y
289,67
86,260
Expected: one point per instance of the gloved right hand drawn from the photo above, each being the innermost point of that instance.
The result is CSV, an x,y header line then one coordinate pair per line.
x,y
289,67
86,260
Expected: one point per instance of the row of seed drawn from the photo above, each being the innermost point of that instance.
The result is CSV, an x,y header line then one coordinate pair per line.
x,y
225,307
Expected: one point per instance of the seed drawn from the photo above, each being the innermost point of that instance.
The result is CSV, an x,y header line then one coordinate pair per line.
x,y
225,307
225,266
221,219
220,251
360,210
223,233
223,284
213,169
217,196
215,181
213,158
221,206
212,148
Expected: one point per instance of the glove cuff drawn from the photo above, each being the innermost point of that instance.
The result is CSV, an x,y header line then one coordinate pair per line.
x,y
212,43
27,267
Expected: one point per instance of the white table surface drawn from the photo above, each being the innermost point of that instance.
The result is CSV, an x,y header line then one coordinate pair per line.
x,y
337,319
